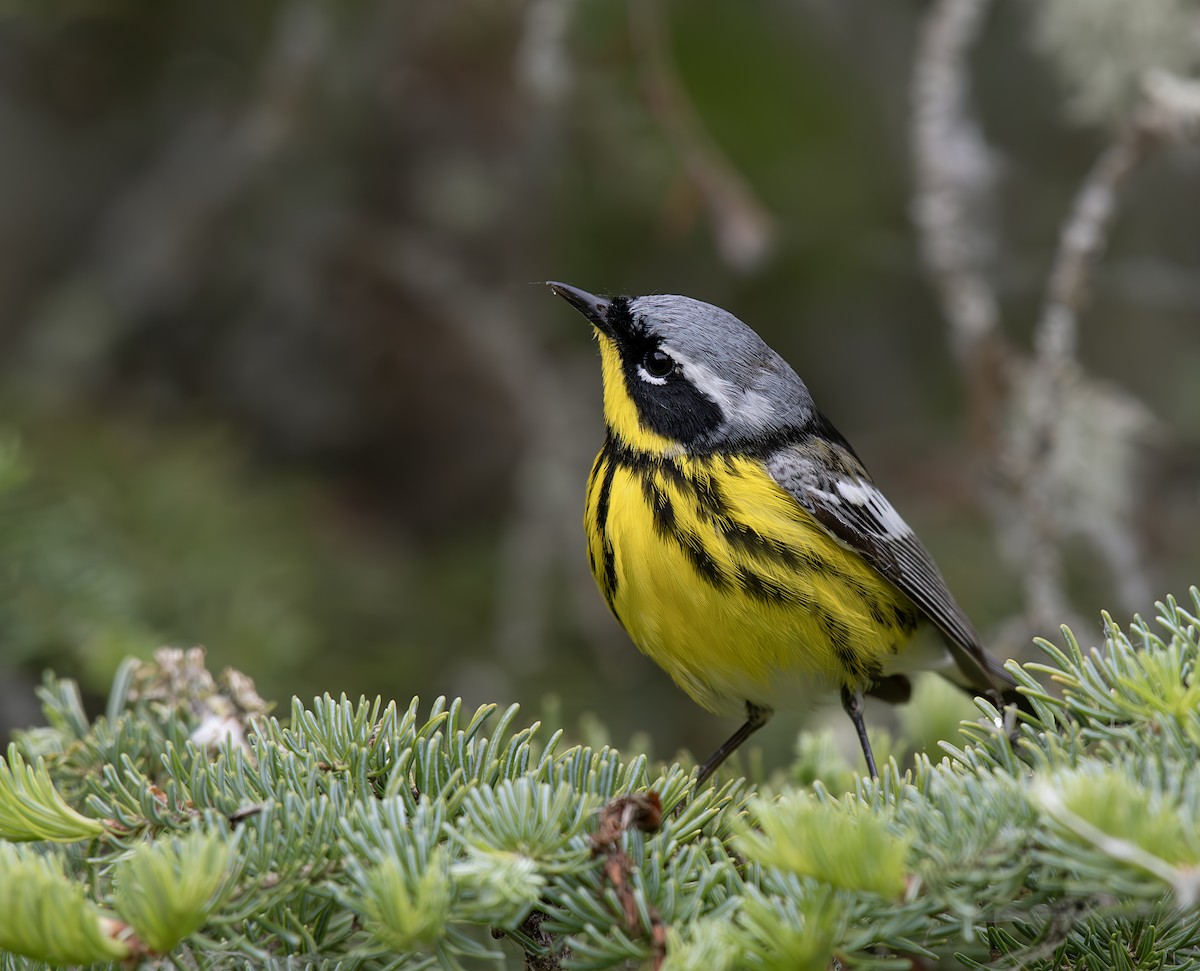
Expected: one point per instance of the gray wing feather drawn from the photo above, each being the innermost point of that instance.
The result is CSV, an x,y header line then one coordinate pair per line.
x,y
831,483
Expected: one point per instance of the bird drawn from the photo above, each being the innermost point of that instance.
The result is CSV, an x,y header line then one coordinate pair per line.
x,y
738,538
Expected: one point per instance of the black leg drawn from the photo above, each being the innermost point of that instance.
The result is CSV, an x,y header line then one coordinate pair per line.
x,y
852,701
755,719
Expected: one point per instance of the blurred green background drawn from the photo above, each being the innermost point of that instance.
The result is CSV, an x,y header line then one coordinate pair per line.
x,y
277,375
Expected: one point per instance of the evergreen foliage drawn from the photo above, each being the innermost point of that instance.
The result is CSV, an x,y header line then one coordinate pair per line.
x,y
362,834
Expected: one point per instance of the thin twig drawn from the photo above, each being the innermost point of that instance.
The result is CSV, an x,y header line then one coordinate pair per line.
x,y
953,207
1170,109
542,538
1033,420
540,552
148,245
743,229
1082,240
1054,375
153,241
543,68
954,171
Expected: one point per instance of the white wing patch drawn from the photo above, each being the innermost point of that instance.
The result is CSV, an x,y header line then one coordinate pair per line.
x,y
867,497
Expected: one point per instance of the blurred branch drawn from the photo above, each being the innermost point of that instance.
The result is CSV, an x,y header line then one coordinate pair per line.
x,y
147,247
150,249
1054,375
1103,51
1082,239
540,552
1175,102
742,228
955,173
1064,445
542,533
543,68
1169,109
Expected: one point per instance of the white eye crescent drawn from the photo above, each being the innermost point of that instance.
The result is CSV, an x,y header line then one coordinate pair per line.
x,y
648,377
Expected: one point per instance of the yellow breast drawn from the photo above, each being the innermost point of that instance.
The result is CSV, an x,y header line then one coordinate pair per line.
x,y
724,580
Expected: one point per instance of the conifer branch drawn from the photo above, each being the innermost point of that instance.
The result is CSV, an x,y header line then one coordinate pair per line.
x,y
376,835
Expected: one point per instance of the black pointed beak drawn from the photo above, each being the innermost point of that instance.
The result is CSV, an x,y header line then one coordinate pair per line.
x,y
592,307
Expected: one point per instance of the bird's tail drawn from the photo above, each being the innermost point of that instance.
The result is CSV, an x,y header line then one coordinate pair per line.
x,y
978,673
1002,687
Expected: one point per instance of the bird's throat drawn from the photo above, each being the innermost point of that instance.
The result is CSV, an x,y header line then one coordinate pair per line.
x,y
620,411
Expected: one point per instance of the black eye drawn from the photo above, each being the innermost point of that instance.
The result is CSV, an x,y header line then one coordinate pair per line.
x,y
658,364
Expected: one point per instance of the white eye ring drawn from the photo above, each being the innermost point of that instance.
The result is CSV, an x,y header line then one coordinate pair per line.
x,y
648,377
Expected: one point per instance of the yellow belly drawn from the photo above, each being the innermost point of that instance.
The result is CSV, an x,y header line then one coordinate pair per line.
x,y
725,581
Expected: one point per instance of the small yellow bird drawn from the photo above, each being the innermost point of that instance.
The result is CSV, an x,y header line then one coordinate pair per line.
x,y
739,540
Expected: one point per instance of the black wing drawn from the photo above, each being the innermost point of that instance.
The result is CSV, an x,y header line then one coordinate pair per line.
x,y
822,473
